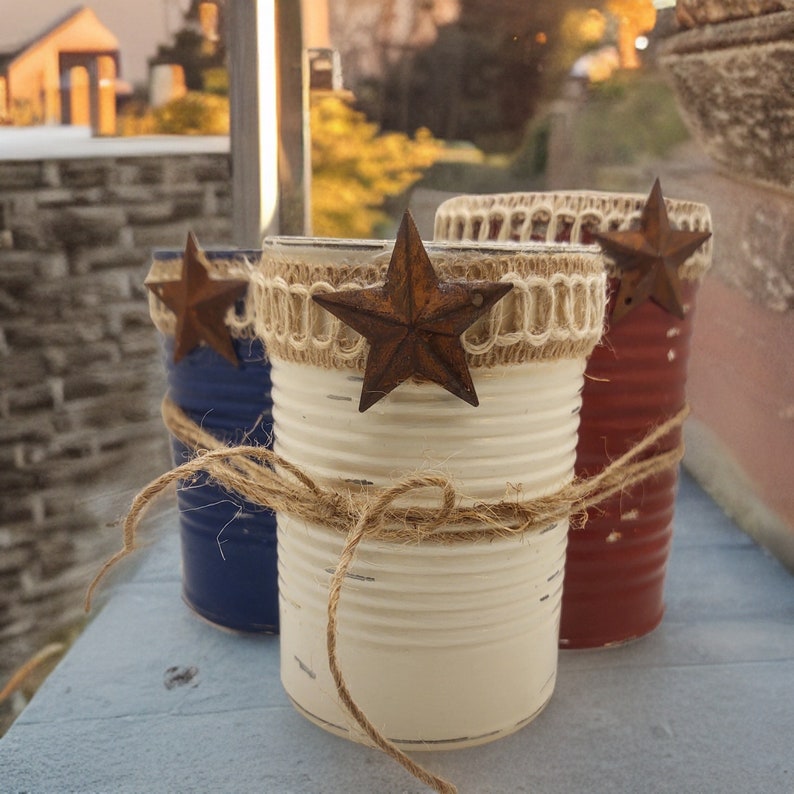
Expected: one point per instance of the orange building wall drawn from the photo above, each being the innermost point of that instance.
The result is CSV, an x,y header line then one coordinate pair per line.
x,y
34,77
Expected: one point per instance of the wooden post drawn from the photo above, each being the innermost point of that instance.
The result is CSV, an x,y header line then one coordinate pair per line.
x,y
267,97
294,164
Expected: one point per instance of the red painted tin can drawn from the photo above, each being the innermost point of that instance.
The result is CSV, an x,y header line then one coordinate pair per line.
x,y
615,568
635,380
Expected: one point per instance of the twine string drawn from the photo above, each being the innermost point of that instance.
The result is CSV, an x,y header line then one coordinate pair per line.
x,y
371,515
23,673
265,478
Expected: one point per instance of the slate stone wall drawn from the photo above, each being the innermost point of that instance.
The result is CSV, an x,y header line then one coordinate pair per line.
x,y
80,371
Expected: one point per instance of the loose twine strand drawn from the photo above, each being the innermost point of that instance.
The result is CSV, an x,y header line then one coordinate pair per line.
x,y
23,673
265,478
370,516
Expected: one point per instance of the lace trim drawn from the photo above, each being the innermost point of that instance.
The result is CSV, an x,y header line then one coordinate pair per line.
x,y
564,217
555,310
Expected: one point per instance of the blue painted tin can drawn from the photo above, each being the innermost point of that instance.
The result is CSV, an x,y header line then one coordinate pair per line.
x,y
229,571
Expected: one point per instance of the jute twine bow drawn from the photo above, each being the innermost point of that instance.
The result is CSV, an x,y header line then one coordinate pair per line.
x,y
265,478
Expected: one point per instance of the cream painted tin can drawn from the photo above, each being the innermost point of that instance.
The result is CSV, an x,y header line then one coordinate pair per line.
x,y
442,645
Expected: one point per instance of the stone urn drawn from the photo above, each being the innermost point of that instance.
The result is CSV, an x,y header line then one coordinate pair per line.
x,y
731,64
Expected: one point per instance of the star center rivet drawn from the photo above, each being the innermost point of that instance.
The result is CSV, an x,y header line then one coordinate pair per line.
x,y
414,322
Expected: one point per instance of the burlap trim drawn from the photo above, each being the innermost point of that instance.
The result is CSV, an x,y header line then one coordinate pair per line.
x,y
552,216
555,309
222,268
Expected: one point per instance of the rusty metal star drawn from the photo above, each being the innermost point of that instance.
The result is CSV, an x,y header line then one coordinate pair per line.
x,y
648,258
413,322
200,304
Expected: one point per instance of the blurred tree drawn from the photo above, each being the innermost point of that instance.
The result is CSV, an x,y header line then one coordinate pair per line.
x,y
634,18
198,46
196,113
581,29
483,76
355,168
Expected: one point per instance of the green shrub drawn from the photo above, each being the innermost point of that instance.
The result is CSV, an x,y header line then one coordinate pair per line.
x,y
630,116
532,157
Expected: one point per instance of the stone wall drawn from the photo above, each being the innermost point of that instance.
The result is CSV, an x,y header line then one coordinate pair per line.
x,y
80,373
735,85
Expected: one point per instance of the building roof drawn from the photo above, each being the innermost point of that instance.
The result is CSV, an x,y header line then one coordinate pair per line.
x,y
14,41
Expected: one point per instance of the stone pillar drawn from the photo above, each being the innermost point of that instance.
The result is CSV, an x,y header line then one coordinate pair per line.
x,y
733,73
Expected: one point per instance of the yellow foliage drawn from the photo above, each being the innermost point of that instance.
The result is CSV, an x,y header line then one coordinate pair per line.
x,y
583,27
639,14
25,113
134,120
196,113
581,30
355,167
634,17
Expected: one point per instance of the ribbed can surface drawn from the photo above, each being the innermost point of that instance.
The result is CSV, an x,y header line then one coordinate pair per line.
x,y
635,380
449,640
442,645
229,571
